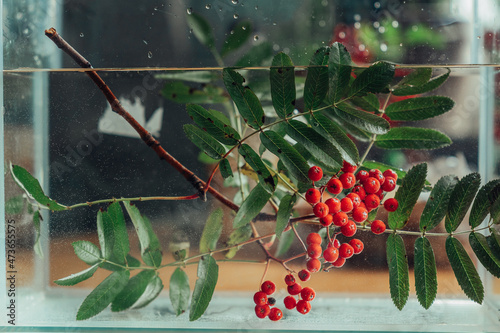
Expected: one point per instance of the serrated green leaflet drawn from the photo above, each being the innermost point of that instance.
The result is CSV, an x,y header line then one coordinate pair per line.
x,y
336,136
252,206
87,252
425,272
494,243
181,93
153,290
282,77
106,234
374,79
247,103
32,187
417,77
339,72
464,270
407,196
179,291
316,86
238,36
419,108
495,211
225,168
201,29
255,162
204,141
481,206
412,138
314,142
132,262
237,236
435,82
399,280
369,102
211,231
150,246
77,277
121,245
363,120
284,212
134,289
291,159
213,126
437,205
480,246
460,200
357,133
103,295
208,273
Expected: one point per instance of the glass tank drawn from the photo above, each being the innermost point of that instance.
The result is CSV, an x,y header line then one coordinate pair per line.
x,y
157,154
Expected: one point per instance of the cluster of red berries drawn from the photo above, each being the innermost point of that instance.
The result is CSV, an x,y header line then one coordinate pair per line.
x,y
335,253
265,305
306,294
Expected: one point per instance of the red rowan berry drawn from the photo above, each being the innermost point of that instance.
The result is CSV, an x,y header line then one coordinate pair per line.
x,y
340,219
376,173
390,173
275,314
303,306
334,186
348,179
294,289
336,243
313,195
289,280
307,294
357,245
391,204
378,227
349,229
339,262
371,185
348,167
314,251
304,275
262,311
333,205
356,199
360,191
346,205
331,254
313,238
326,221
380,194
389,184
360,214
313,265
372,201
320,210
260,298
346,251
362,175
315,173
268,287
290,302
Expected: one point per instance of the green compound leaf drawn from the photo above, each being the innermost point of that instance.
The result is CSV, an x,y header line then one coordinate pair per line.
x,y
460,200
361,119
133,291
397,261
201,29
211,231
482,203
208,273
412,138
314,142
14,205
77,277
479,245
369,102
292,160
417,77
238,36
87,252
103,295
282,76
374,79
121,244
252,206
464,270
266,179
339,72
336,136
407,195
150,246
425,272
284,212
236,237
182,93
217,128
179,291
32,187
106,234
316,86
437,204
247,103
419,108
418,88
204,141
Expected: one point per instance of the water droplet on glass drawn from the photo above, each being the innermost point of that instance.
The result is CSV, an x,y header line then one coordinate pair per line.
x,y
383,47
256,7
395,24
244,27
156,8
189,11
342,35
376,5
276,47
324,3
208,6
357,17
256,38
26,31
274,23
376,24
236,16
478,37
81,34
414,28
150,54
19,15
361,47
322,23
235,2
190,31
401,44
232,32
357,25
145,42
381,30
